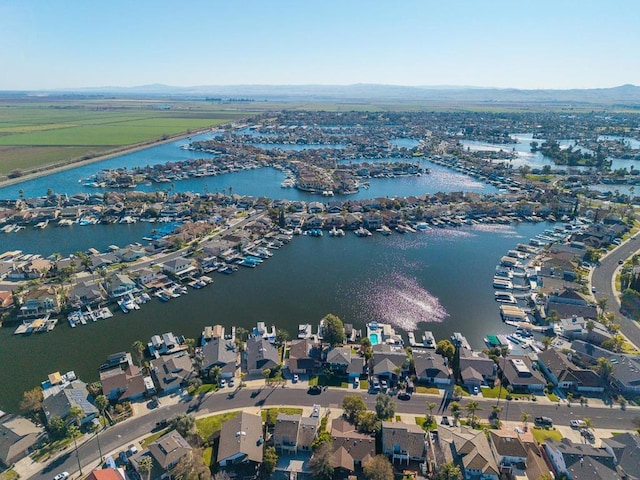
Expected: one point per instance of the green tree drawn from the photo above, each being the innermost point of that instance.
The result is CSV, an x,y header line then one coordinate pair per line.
x,y
454,408
138,348
214,374
368,422
353,405
76,414
378,468
449,471
191,466
185,425
282,336
321,439
525,418
101,403
430,407
31,402
472,407
385,406
604,367
57,428
145,465
458,392
320,464
333,331
588,423
270,460
446,349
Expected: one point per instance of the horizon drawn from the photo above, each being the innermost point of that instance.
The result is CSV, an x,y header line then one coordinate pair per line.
x,y
418,44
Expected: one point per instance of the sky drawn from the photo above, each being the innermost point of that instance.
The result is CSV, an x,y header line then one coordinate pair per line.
x,y
489,43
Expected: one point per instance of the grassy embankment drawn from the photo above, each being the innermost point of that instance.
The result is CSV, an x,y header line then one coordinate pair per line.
x,y
35,135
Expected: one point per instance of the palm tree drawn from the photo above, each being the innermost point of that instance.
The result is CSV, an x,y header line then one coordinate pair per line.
x,y
472,407
73,431
145,464
138,347
588,423
430,407
602,303
525,418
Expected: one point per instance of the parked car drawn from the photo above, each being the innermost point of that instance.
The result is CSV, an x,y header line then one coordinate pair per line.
x,y
231,382
404,396
223,383
132,450
161,423
475,390
445,421
61,476
122,456
543,421
295,378
315,411
578,423
315,390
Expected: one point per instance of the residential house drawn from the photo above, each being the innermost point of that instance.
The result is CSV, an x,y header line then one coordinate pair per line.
x,y
520,373
432,368
73,394
579,461
39,301
626,368
476,368
220,352
86,293
389,361
294,433
170,372
403,441
339,359
469,448
119,284
243,440
625,449
130,254
165,452
304,356
18,436
508,449
107,474
351,449
124,381
166,344
580,328
178,267
6,300
260,355
563,373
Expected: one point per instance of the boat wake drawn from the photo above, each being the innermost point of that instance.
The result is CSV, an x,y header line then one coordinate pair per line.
x,y
404,303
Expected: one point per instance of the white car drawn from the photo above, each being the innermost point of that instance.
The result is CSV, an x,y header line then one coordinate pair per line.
x,y
295,378
61,476
577,423
223,383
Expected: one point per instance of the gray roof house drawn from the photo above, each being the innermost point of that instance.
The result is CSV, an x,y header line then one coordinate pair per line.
x,y
626,450
170,372
560,370
259,355
403,441
165,452
17,438
432,367
520,373
626,368
293,433
243,440
339,358
471,448
480,362
219,352
75,394
351,449
387,359
579,461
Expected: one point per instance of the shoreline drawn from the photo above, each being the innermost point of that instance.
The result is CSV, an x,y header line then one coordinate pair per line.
x,y
45,170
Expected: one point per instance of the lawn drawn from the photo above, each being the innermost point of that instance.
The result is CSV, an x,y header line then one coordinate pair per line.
x,y
270,414
493,392
208,456
422,422
328,381
152,438
432,390
541,434
553,397
364,384
209,425
9,475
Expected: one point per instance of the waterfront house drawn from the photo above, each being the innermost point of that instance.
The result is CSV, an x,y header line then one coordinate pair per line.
x,y
579,461
404,442
18,437
372,220
243,440
178,267
470,449
170,372
625,449
352,222
72,394
166,344
222,353
294,433
39,301
119,284
122,380
575,328
165,453
6,300
339,359
520,372
86,293
389,361
259,355
304,357
315,207
102,260
351,449
432,368
563,373
130,254
480,364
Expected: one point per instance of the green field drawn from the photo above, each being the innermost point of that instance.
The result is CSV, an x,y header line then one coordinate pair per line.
x,y
37,134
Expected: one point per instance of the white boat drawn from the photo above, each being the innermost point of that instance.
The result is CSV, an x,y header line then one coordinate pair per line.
x,y
502,283
505,297
362,232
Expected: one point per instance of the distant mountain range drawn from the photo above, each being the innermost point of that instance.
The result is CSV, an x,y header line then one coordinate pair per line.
x,y
622,95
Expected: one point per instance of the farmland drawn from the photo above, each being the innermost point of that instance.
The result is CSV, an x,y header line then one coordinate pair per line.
x,y
36,134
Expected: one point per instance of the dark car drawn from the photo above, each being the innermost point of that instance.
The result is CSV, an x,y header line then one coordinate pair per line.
x,y
404,396
161,424
444,421
543,421
314,390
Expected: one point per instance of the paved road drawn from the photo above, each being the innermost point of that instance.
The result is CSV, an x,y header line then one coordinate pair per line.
x,y
603,278
121,435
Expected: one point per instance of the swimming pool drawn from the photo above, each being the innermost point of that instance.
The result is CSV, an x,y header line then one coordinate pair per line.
x,y
374,338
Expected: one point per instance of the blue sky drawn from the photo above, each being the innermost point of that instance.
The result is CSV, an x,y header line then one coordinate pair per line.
x,y
516,43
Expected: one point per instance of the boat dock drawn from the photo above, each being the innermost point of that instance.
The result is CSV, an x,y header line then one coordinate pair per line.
x,y
428,340
36,325
459,340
